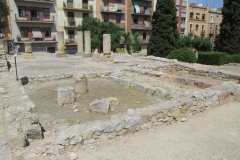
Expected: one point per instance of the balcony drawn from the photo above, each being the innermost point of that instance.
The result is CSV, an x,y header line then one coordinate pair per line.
x,y
70,42
33,19
83,7
120,25
118,9
38,1
211,32
203,32
50,39
144,41
191,32
71,23
146,26
142,12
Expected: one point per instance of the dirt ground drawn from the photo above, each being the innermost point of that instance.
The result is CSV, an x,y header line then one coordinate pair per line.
x,y
212,135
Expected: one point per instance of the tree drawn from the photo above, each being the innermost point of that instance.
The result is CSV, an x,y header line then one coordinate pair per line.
x,y
128,40
183,41
4,12
229,38
137,43
164,29
97,29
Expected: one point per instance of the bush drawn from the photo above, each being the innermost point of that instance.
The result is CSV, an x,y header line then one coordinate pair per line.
x,y
202,43
232,58
212,58
183,55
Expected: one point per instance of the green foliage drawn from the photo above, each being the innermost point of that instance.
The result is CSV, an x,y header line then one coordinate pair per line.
x,y
212,58
232,58
202,43
79,28
137,43
97,29
128,41
183,41
183,55
4,12
164,32
229,38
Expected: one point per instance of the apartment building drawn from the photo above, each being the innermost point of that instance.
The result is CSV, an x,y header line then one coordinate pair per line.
x,y
34,21
197,21
130,15
215,18
182,7
70,15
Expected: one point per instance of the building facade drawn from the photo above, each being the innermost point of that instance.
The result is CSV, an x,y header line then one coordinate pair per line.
x,y
70,15
214,21
182,7
34,21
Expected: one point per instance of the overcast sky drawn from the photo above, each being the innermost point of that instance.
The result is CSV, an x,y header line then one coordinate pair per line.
x,y
211,3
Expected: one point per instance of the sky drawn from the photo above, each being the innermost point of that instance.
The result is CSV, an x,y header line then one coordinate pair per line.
x,y
211,3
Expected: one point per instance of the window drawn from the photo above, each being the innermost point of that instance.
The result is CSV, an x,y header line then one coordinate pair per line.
x,y
191,15
182,30
211,19
22,11
135,20
184,9
118,19
183,20
34,14
106,17
145,19
144,36
47,32
71,34
197,27
197,15
118,1
177,7
203,16
145,6
105,2
24,32
202,28
46,13
216,28
85,15
190,26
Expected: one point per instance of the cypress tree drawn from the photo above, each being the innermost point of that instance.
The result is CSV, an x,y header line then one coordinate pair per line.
x,y
229,38
164,32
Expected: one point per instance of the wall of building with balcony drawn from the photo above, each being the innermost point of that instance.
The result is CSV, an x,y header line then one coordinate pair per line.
x,y
112,11
70,15
32,15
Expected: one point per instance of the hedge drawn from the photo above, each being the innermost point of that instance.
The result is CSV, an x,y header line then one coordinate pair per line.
x,y
232,58
212,58
183,55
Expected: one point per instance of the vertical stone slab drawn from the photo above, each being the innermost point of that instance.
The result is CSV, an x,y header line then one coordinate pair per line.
x,y
81,86
28,50
106,44
80,43
87,44
61,47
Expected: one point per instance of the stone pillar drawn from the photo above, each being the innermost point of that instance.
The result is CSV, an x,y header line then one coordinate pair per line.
x,y
28,50
61,47
81,86
80,43
64,95
106,44
87,44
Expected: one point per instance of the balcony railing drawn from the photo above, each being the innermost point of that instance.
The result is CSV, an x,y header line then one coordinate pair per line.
x,y
27,18
211,32
203,32
143,41
80,6
121,25
72,23
38,1
114,9
45,39
147,26
191,32
142,11
70,42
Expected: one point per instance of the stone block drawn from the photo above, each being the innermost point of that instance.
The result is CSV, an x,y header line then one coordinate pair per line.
x,y
100,106
81,86
64,95
142,87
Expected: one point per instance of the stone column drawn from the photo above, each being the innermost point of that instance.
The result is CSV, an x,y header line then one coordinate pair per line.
x,y
28,50
61,47
81,86
80,43
87,44
106,44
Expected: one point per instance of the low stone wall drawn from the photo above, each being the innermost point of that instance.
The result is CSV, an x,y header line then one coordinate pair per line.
x,y
176,66
152,115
